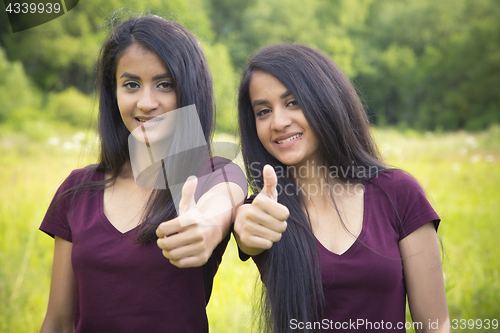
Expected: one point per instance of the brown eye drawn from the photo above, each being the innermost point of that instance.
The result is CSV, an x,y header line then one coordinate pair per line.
x,y
263,112
165,85
131,85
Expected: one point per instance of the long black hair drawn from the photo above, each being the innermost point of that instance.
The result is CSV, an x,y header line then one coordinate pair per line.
x,y
331,106
184,59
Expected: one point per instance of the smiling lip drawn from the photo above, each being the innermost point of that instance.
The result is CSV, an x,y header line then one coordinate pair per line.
x,y
288,140
148,121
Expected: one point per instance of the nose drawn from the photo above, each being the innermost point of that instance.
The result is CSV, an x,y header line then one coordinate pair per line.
x,y
281,119
147,100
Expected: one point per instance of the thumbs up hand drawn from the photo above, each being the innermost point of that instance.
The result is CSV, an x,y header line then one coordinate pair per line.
x,y
260,224
188,213
270,182
189,239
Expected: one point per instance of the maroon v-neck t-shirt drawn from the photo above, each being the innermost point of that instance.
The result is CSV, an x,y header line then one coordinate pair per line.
x,y
123,286
364,287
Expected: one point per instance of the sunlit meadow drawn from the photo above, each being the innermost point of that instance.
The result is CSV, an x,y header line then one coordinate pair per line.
x,y
459,172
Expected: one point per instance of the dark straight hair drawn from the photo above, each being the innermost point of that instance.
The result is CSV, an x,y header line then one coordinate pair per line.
x,y
331,106
184,59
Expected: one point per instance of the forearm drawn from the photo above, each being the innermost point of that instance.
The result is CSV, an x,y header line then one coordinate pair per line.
x,y
217,212
219,205
60,310
434,318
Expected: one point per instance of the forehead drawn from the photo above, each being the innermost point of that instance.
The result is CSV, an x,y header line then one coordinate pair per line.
x,y
264,85
137,59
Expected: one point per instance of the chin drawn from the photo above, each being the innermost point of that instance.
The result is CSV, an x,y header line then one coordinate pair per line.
x,y
288,161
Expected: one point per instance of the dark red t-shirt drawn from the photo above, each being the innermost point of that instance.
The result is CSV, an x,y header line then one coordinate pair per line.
x,y
122,286
364,287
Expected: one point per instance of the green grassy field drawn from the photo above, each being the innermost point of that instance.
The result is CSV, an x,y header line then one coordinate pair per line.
x,y
459,171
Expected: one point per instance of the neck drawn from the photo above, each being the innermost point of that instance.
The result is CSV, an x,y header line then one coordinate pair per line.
x,y
126,171
312,180
318,184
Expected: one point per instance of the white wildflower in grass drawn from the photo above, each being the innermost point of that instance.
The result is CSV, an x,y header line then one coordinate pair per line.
x,y
78,137
476,158
54,141
471,141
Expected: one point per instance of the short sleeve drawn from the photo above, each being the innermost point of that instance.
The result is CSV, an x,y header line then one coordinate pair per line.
x,y
55,222
413,208
218,170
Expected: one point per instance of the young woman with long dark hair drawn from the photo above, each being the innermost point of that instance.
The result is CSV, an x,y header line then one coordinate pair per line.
x,y
340,239
124,259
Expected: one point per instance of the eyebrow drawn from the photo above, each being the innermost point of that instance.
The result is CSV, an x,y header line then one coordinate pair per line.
x,y
263,101
157,77
285,94
259,102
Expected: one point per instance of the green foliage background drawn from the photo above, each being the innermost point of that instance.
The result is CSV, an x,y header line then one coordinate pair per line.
x,y
431,69
418,63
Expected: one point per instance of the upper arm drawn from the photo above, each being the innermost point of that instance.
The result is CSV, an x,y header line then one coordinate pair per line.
x,y
228,196
60,311
423,276
219,205
226,181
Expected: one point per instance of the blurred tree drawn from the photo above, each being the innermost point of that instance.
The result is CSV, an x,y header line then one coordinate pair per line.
x,y
225,83
70,106
227,23
63,52
16,89
276,21
466,72
343,32
430,64
226,16
434,64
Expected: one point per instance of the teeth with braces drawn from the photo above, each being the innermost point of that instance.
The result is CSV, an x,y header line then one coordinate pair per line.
x,y
290,138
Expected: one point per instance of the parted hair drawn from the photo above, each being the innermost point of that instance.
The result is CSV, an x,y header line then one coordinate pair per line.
x,y
335,113
182,55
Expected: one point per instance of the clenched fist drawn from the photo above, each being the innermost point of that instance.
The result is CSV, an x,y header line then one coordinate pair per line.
x,y
260,224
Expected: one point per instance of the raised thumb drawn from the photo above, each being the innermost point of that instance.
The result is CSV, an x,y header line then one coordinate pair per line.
x,y
188,190
270,182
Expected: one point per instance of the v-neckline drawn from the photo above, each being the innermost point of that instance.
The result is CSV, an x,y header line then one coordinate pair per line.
x,y
357,240
110,226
